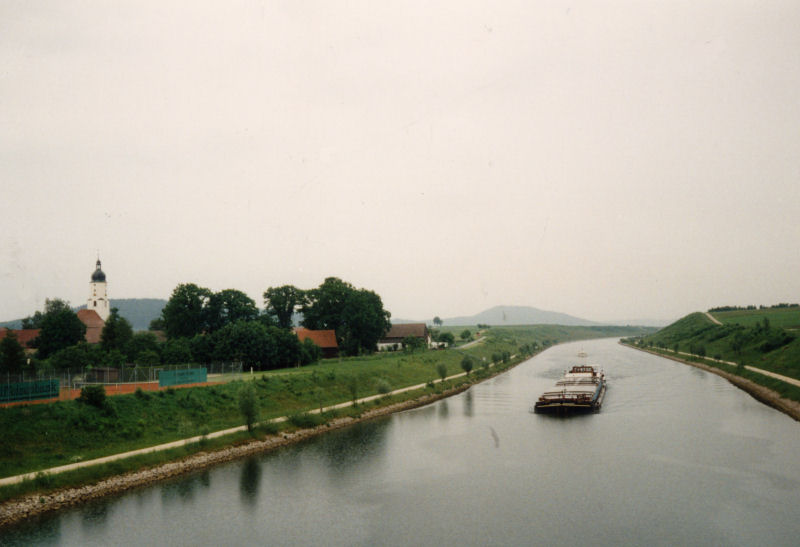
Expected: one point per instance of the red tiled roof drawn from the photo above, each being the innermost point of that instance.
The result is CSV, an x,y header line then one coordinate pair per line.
x,y
322,338
90,318
94,325
398,332
24,336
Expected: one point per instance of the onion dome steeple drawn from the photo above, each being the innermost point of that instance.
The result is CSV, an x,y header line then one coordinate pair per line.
x,y
98,276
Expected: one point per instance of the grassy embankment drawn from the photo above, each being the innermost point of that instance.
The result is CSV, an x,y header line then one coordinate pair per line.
x,y
743,338
38,437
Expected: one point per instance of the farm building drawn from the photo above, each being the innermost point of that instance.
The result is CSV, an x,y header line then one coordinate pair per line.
x,y
325,339
393,340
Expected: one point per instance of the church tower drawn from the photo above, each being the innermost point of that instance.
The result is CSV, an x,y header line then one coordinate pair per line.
x,y
98,295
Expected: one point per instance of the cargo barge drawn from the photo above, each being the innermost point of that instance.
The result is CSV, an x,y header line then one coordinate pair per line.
x,y
580,390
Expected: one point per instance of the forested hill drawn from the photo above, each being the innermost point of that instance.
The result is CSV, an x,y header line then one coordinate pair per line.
x,y
139,311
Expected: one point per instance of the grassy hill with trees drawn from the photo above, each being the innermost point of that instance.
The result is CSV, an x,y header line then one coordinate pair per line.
x,y
765,338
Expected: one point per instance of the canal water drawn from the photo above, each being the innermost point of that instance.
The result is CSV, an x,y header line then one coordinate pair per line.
x,y
677,456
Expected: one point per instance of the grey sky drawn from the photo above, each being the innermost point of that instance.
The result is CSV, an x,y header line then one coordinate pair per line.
x,y
610,160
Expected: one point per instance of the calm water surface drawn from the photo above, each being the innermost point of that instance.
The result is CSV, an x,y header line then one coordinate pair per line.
x,y
677,456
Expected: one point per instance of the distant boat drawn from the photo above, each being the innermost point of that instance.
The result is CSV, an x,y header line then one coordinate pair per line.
x,y
582,353
580,390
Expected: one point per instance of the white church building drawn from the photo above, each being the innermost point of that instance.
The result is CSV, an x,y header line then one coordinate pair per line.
x,y
98,294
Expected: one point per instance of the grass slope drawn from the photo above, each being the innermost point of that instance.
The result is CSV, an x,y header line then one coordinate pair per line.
x,y
786,318
747,341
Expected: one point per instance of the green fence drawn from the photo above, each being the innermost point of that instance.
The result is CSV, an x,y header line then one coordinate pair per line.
x,y
28,391
182,376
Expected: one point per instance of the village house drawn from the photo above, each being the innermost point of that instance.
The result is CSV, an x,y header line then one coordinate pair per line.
x,y
393,340
325,339
25,337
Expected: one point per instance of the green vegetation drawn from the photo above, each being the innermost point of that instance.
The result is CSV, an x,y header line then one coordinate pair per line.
x,y
41,436
785,318
754,337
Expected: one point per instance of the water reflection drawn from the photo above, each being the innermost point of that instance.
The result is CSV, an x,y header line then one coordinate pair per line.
x,y
444,410
94,516
469,404
353,447
250,482
184,490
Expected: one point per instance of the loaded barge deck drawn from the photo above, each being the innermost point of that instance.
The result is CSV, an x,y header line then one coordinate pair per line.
x,y
580,390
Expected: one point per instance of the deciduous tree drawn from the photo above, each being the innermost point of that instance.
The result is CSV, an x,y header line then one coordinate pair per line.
x,y
186,312
228,306
117,332
60,328
12,354
281,302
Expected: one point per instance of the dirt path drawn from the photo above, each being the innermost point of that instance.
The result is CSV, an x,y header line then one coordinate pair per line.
x,y
712,318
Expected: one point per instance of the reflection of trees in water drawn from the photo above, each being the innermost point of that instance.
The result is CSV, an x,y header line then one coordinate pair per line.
x,y
95,516
41,530
354,447
444,410
469,404
250,481
185,488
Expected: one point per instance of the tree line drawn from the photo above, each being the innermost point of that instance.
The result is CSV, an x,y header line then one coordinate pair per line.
x,y
202,326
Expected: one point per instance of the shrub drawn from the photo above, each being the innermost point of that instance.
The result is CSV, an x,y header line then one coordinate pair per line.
x,y
441,369
248,405
467,364
383,386
306,420
93,395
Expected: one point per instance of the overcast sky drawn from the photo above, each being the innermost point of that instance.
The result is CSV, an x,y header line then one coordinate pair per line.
x,y
610,160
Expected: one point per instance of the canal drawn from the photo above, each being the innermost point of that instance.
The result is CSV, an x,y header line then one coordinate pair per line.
x,y
676,456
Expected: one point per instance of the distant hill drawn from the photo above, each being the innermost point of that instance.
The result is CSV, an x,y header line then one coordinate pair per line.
x,y
139,311
518,315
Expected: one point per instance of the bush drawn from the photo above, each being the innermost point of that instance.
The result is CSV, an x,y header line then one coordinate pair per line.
x,y
93,395
383,386
467,364
248,404
306,420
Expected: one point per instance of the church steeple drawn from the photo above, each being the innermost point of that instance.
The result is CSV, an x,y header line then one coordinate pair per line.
x,y
98,293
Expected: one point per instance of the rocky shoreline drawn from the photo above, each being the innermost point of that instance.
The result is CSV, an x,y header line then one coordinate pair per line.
x,y
16,510
760,393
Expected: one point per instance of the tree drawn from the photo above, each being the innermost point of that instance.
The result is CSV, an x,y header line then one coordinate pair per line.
x,y
357,315
437,321
466,334
12,354
412,344
248,404
142,342
228,306
323,306
309,352
117,332
441,368
176,352
281,303
364,322
186,312
448,338
467,364
60,328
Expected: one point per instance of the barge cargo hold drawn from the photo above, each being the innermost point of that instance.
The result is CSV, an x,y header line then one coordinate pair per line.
x,y
580,390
